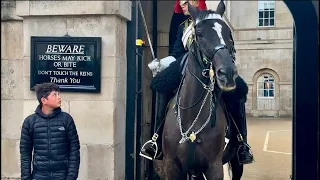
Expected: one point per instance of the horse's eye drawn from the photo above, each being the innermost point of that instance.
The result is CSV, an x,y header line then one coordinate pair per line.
x,y
199,34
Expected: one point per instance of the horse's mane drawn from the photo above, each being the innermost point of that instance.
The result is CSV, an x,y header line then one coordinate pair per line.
x,y
203,14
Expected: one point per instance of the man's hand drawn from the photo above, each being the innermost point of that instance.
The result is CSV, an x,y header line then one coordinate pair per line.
x,y
155,66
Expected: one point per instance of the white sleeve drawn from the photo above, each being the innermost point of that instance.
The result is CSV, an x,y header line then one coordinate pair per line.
x,y
165,62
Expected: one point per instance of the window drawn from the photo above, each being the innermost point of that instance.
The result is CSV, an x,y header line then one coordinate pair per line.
x,y
265,84
266,13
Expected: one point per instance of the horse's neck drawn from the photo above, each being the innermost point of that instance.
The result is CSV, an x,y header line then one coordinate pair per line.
x,y
192,90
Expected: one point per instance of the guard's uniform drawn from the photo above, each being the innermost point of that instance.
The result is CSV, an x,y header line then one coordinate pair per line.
x,y
178,48
168,79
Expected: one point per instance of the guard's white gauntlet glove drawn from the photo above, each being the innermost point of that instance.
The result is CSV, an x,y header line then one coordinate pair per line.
x,y
155,66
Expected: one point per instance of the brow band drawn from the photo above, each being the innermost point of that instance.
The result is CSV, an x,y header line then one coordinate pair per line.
x,y
210,16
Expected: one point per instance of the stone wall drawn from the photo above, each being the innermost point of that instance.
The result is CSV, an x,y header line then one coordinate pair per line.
x,y
264,49
100,118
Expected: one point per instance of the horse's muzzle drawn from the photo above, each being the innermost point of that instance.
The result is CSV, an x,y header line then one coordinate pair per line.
x,y
226,77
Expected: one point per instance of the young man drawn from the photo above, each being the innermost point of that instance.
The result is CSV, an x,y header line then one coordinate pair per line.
x,y
167,79
52,136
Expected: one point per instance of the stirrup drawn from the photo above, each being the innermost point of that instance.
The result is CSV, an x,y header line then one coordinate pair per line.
x,y
152,143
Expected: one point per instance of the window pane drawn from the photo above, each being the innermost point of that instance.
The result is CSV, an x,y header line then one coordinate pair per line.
x,y
260,85
260,79
271,14
271,93
266,22
271,85
260,93
260,22
265,93
267,85
266,5
260,14
266,14
272,5
260,5
271,22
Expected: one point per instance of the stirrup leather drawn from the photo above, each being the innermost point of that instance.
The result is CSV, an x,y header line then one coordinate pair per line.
x,y
152,143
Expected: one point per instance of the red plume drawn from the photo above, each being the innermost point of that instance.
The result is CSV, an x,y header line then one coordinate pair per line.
x,y
202,4
177,8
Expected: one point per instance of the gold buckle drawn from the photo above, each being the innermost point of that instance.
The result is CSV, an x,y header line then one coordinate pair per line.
x,y
155,137
239,137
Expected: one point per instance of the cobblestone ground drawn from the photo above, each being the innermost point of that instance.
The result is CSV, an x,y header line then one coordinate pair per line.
x,y
271,142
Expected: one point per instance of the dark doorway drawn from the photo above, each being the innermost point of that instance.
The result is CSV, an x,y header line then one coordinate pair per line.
x,y
305,162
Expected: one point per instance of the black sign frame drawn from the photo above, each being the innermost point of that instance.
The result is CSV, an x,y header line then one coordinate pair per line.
x,y
94,85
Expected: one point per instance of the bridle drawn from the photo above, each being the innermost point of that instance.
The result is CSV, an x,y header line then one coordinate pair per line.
x,y
206,65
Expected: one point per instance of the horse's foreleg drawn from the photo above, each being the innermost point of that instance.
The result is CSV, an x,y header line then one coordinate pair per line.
x,y
171,170
215,171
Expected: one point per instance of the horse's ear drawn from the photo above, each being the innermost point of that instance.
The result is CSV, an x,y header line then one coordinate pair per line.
x,y
193,11
221,8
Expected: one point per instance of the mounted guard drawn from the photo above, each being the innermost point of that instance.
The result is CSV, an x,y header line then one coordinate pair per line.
x,y
168,73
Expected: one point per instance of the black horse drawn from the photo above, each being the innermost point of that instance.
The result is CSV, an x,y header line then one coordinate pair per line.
x,y
194,131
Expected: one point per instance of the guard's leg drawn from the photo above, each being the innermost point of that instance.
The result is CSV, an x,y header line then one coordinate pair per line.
x,y
153,148
236,168
165,82
160,119
235,103
244,153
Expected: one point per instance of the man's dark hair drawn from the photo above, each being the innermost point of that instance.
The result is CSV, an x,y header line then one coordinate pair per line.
x,y
44,89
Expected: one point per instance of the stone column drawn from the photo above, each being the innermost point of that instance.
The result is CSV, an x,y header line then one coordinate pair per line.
x,y
100,118
11,88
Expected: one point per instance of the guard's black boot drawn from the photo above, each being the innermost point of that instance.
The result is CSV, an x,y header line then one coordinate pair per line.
x,y
152,149
244,152
235,103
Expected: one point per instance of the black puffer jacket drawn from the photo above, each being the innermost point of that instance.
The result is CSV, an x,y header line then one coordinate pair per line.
x,y
55,142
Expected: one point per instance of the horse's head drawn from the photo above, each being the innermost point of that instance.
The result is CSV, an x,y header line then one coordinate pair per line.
x,y
212,38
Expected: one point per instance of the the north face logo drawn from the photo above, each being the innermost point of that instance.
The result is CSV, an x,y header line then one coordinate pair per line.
x,y
61,128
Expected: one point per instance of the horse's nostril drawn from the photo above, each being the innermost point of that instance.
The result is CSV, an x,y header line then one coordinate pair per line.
x,y
221,72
